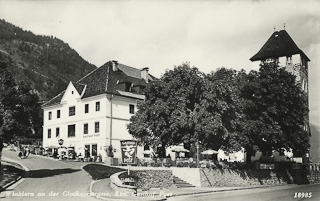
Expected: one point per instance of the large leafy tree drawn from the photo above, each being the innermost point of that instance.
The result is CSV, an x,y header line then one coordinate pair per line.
x,y
166,116
263,110
19,108
275,111
184,106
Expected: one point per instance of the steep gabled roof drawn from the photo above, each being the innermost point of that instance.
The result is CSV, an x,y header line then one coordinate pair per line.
x,y
54,100
278,45
105,80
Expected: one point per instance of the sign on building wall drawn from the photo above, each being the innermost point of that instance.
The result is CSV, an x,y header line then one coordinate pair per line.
x,y
128,151
264,166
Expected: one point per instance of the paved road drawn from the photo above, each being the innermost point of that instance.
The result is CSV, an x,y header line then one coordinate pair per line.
x,y
281,193
48,179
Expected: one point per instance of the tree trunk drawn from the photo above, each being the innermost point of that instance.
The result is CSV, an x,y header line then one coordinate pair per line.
x,y
249,152
161,151
1,147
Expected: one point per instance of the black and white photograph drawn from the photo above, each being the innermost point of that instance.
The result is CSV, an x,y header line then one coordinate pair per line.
x,y
156,100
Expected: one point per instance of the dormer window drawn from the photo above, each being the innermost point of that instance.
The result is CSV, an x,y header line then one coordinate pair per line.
x,y
142,89
289,60
128,86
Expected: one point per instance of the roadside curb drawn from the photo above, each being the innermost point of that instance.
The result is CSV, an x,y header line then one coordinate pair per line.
x,y
114,199
26,169
224,190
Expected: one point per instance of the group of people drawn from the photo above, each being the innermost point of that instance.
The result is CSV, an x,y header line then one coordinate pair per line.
x,y
24,153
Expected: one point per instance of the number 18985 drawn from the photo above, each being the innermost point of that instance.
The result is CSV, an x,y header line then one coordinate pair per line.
x,y
302,195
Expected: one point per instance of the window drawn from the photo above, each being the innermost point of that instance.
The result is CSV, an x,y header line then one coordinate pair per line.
x,y
94,149
87,151
85,128
98,106
58,114
131,109
86,108
57,132
96,127
72,130
50,115
49,133
128,86
142,89
72,111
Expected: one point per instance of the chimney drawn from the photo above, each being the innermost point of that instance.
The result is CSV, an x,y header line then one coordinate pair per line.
x,y
144,74
115,66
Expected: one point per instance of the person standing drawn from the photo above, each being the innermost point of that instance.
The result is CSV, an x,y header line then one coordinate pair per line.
x,y
27,152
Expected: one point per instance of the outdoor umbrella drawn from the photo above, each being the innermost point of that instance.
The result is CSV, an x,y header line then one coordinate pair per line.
x,y
179,149
209,152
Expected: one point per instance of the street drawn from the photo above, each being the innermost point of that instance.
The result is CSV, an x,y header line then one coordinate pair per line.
x,y
48,179
280,193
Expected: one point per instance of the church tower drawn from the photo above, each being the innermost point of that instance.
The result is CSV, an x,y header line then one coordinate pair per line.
x,y
282,49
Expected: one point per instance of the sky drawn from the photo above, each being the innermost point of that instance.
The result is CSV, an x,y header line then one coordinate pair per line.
x,y
164,34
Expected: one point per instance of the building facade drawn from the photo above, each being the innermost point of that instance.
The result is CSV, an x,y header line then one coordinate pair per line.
x,y
93,113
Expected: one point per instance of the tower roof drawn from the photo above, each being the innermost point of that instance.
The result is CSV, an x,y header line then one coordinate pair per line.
x,y
278,45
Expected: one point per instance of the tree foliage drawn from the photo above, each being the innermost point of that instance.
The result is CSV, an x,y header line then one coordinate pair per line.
x,y
19,107
184,106
260,110
276,110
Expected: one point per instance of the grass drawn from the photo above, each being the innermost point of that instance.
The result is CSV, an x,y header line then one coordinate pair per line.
x,y
98,171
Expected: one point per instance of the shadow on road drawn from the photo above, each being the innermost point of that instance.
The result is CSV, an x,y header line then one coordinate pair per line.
x,y
49,173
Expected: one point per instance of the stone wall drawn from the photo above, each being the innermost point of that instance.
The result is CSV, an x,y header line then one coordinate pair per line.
x,y
227,177
147,179
118,185
190,175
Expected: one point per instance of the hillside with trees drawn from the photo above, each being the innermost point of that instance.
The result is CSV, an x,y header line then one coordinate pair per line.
x,y
46,62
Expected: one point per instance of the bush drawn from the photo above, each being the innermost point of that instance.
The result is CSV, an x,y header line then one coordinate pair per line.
x,y
193,165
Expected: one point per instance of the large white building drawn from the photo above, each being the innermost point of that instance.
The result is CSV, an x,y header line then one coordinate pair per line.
x,y
92,114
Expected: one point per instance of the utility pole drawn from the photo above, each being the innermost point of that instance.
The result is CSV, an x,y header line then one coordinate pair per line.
x,y
197,144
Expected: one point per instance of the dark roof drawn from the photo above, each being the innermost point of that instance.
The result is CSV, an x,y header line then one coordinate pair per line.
x,y
54,100
105,80
79,87
278,45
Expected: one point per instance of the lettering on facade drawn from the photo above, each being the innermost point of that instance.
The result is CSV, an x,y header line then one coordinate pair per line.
x,y
264,166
